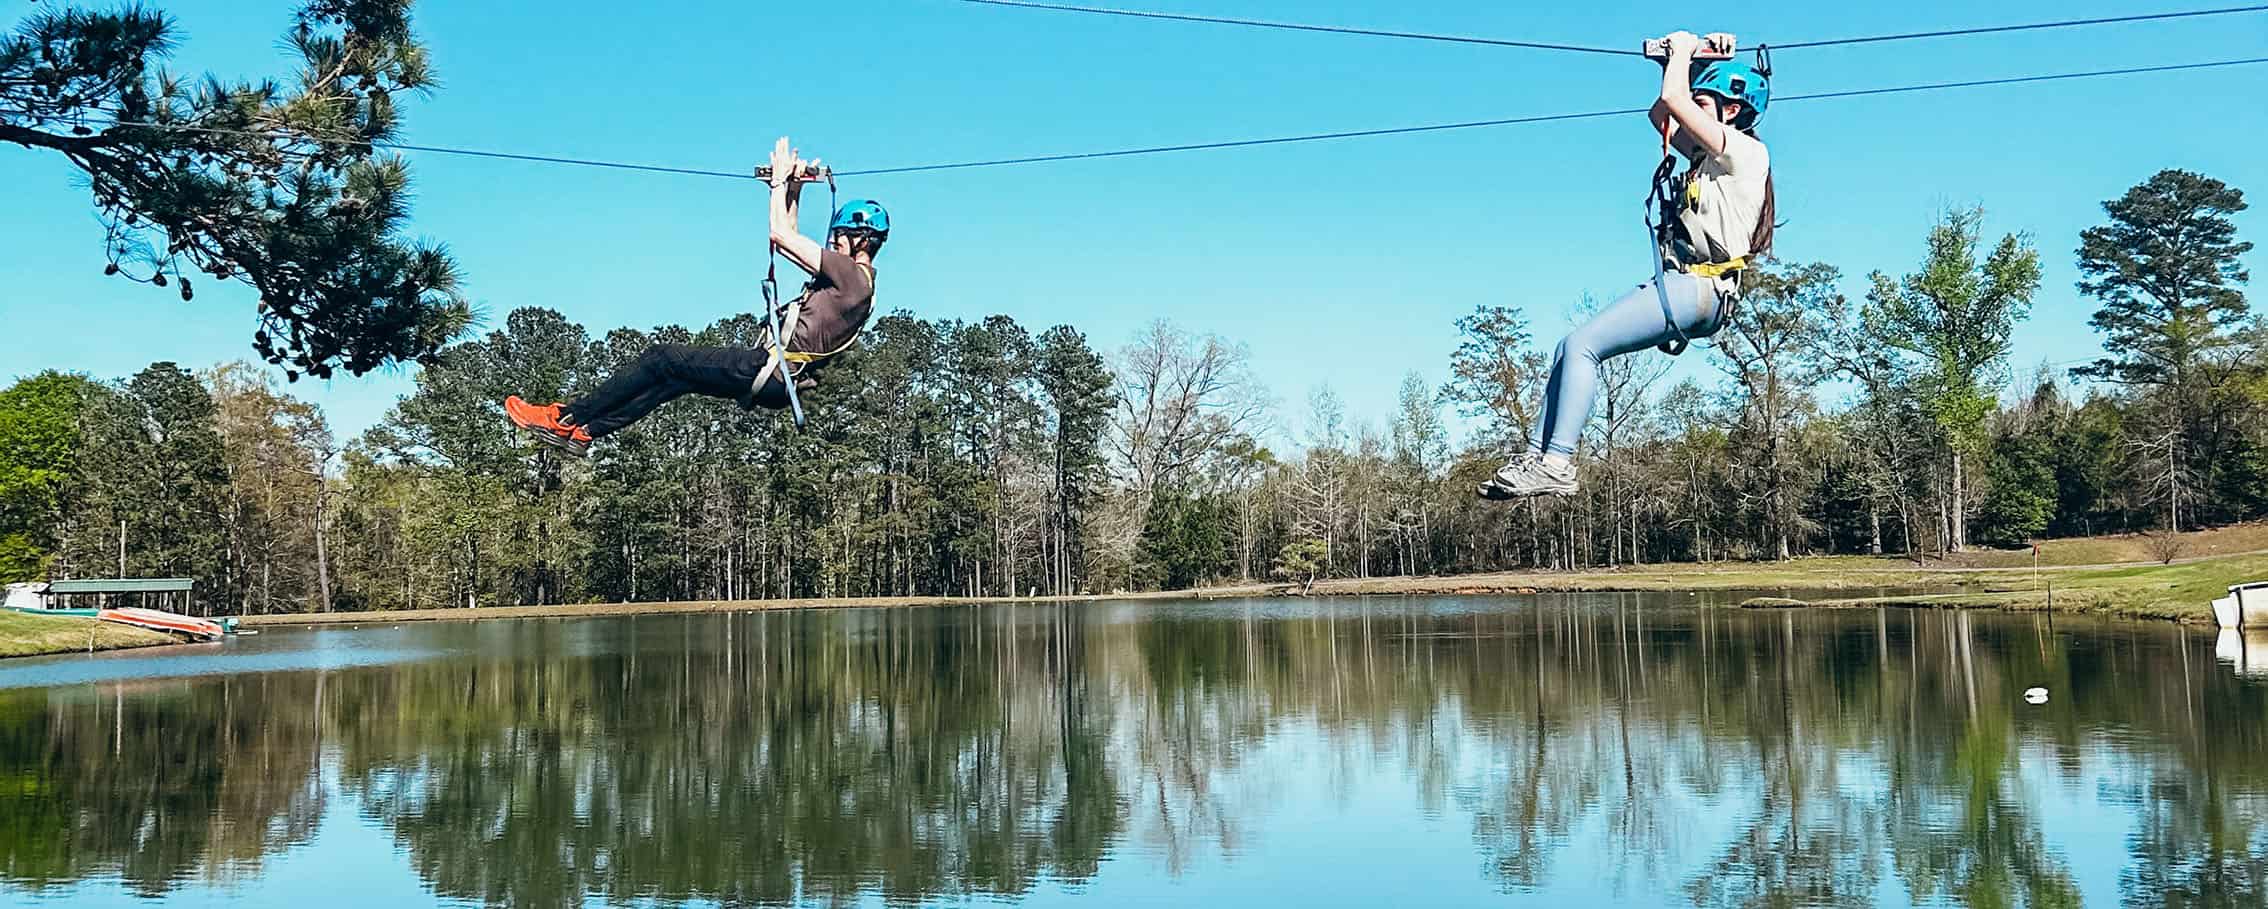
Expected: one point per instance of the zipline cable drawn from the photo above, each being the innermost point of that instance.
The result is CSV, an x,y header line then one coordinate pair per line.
x,y
1588,49
1205,146
1298,27
1477,124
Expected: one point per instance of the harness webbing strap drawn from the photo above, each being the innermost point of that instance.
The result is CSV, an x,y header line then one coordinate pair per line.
x,y
776,345
1678,341
1658,234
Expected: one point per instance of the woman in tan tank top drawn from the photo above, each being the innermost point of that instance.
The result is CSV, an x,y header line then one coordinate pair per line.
x,y
1724,218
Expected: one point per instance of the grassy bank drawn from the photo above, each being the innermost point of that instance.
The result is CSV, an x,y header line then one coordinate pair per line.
x,y
2121,575
2114,549
1813,576
2180,592
1817,575
2123,579
22,634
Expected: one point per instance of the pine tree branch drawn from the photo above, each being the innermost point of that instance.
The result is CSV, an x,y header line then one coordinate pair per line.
x,y
32,138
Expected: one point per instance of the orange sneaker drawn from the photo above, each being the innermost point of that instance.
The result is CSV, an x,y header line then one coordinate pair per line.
x,y
546,425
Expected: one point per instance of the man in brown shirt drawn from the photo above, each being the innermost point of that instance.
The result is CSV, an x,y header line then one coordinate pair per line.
x,y
834,307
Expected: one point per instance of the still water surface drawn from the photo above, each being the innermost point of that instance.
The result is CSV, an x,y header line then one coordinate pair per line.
x,y
1561,751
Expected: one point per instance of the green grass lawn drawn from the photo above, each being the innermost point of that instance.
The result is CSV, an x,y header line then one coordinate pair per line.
x,y
2219,541
2181,592
22,634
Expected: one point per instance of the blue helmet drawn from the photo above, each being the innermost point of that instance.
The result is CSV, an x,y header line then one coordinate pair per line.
x,y
1736,81
861,214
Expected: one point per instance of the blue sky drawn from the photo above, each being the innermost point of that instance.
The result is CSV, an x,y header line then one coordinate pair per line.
x,y
1342,263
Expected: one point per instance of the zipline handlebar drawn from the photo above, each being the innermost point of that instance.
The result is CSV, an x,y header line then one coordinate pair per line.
x,y
1658,49
818,175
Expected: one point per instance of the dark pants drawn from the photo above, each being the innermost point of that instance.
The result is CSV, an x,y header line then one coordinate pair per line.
x,y
664,373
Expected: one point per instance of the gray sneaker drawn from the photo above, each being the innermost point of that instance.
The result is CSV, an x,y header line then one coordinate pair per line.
x,y
1528,474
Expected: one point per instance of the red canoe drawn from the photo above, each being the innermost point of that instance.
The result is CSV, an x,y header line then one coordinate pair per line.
x,y
164,621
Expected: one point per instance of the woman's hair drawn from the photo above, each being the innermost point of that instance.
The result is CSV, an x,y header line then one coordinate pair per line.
x,y
1760,242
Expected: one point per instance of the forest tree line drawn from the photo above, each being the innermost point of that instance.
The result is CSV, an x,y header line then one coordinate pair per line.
x,y
990,458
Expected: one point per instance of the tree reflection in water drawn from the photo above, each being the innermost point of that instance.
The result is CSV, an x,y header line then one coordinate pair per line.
x,y
1710,757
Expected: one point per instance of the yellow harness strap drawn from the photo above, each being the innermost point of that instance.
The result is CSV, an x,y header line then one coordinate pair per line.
x,y
1717,269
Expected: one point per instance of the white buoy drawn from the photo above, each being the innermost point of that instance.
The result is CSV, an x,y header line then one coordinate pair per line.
x,y
2035,695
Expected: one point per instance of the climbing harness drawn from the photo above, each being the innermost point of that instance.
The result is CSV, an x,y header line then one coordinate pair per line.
x,y
779,332
1672,249
780,321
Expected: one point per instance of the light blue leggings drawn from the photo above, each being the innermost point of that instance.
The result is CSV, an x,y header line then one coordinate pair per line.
x,y
1628,324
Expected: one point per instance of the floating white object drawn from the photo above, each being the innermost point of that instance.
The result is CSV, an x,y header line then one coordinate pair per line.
x,y
2225,612
2035,695
2252,604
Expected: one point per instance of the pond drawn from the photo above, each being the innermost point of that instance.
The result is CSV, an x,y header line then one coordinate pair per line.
x,y
1551,751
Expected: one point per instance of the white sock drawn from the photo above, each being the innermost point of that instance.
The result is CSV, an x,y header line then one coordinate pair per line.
x,y
1558,461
